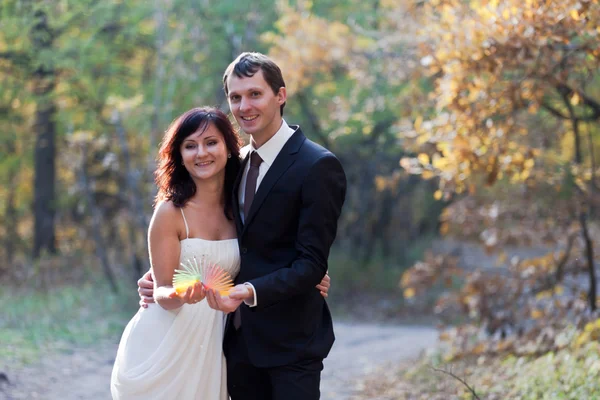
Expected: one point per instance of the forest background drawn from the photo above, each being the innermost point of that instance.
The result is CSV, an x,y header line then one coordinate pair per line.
x,y
474,123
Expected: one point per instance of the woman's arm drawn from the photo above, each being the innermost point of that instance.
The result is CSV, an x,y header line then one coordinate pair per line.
x,y
165,249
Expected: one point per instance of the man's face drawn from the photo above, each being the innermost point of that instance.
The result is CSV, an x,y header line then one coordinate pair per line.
x,y
255,106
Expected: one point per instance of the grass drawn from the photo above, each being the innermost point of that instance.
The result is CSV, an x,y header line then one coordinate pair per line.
x,y
33,322
569,374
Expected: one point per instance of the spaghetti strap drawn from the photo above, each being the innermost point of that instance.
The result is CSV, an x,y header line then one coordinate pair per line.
x,y
187,231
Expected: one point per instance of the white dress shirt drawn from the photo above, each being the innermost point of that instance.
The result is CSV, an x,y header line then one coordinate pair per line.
x,y
268,152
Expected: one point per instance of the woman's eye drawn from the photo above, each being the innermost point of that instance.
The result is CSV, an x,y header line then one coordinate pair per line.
x,y
256,94
212,143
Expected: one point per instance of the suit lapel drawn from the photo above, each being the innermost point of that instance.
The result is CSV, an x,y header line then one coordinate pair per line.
x,y
283,161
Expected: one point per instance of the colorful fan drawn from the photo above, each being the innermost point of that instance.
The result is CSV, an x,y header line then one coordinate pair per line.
x,y
211,275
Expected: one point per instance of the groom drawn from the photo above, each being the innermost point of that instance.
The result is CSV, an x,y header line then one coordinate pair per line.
x,y
287,202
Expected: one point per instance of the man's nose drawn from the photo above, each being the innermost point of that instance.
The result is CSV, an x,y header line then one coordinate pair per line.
x,y
244,104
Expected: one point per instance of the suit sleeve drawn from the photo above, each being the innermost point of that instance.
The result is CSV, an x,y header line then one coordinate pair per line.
x,y
323,194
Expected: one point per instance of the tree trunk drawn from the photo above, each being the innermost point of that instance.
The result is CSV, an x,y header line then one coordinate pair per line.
x,y
137,213
159,75
10,217
583,213
96,222
589,252
45,146
593,187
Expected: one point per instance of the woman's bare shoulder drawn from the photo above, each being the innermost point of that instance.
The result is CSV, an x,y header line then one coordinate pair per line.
x,y
166,207
166,216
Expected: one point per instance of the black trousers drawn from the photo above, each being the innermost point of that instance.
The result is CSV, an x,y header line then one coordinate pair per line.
x,y
298,381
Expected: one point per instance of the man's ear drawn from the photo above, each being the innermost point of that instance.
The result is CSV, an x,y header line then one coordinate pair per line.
x,y
282,95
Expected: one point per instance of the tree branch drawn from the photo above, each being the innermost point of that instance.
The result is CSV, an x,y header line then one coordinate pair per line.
x,y
313,120
458,379
379,128
559,272
554,111
15,57
588,101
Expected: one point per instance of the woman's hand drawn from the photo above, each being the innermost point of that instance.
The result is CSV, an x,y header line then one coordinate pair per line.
x,y
169,299
194,294
324,285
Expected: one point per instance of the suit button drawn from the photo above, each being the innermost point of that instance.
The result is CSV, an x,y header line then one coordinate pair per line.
x,y
244,250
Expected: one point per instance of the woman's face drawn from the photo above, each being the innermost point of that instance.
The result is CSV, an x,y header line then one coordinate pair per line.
x,y
204,154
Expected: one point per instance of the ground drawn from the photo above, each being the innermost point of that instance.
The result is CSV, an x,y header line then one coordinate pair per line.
x,y
360,349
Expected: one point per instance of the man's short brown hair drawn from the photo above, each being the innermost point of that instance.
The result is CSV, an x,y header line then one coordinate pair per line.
x,y
247,64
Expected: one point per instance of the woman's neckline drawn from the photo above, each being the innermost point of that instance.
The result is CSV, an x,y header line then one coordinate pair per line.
x,y
208,240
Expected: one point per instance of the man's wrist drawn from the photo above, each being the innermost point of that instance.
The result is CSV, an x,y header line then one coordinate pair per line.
x,y
250,300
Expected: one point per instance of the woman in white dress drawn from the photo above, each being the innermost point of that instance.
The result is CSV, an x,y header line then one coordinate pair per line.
x,y
173,349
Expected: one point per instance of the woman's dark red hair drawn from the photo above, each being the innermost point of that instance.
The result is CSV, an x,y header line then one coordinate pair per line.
x,y
173,180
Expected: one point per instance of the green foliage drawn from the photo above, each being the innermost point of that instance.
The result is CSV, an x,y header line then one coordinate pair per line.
x,y
570,374
380,274
33,322
350,275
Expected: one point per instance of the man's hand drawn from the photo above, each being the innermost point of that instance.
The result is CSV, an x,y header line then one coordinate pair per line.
x,y
226,304
241,292
324,285
146,289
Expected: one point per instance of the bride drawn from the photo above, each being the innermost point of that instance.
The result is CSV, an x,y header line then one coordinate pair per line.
x,y
173,349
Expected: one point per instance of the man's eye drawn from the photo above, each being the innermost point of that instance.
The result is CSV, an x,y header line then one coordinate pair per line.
x,y
255,94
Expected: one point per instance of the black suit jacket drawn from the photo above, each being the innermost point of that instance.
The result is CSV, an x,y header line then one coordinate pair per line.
x,y
284,246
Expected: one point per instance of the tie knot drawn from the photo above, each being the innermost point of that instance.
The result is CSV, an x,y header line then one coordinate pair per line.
x,y
255,159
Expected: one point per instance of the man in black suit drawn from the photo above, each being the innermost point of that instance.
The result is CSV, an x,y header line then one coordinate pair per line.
x,y
288,199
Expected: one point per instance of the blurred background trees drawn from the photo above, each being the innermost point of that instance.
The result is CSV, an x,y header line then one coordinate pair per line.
x,y
514,141
88,88
469,132
477,121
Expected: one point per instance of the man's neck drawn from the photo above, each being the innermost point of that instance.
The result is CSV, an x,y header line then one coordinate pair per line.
x,y
260,139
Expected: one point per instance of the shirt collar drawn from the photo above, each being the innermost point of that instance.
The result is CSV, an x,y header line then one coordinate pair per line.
x,y
269,151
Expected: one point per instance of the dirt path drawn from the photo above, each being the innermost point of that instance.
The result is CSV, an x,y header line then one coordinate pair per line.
x,y
358,350
361,349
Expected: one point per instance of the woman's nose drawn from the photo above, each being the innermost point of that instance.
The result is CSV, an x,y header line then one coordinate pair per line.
x,y
200,151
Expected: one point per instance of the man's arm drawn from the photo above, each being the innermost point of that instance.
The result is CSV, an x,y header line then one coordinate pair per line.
x,y
323,193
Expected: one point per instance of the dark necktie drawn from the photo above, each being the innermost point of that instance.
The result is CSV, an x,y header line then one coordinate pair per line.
x,y
250,190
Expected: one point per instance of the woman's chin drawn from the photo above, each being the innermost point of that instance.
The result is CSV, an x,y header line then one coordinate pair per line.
x,y
208,175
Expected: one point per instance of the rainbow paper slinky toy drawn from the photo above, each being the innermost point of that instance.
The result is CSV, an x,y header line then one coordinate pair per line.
x,y
211,275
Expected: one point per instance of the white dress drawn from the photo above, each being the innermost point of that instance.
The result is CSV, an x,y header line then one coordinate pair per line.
x,y
177,354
